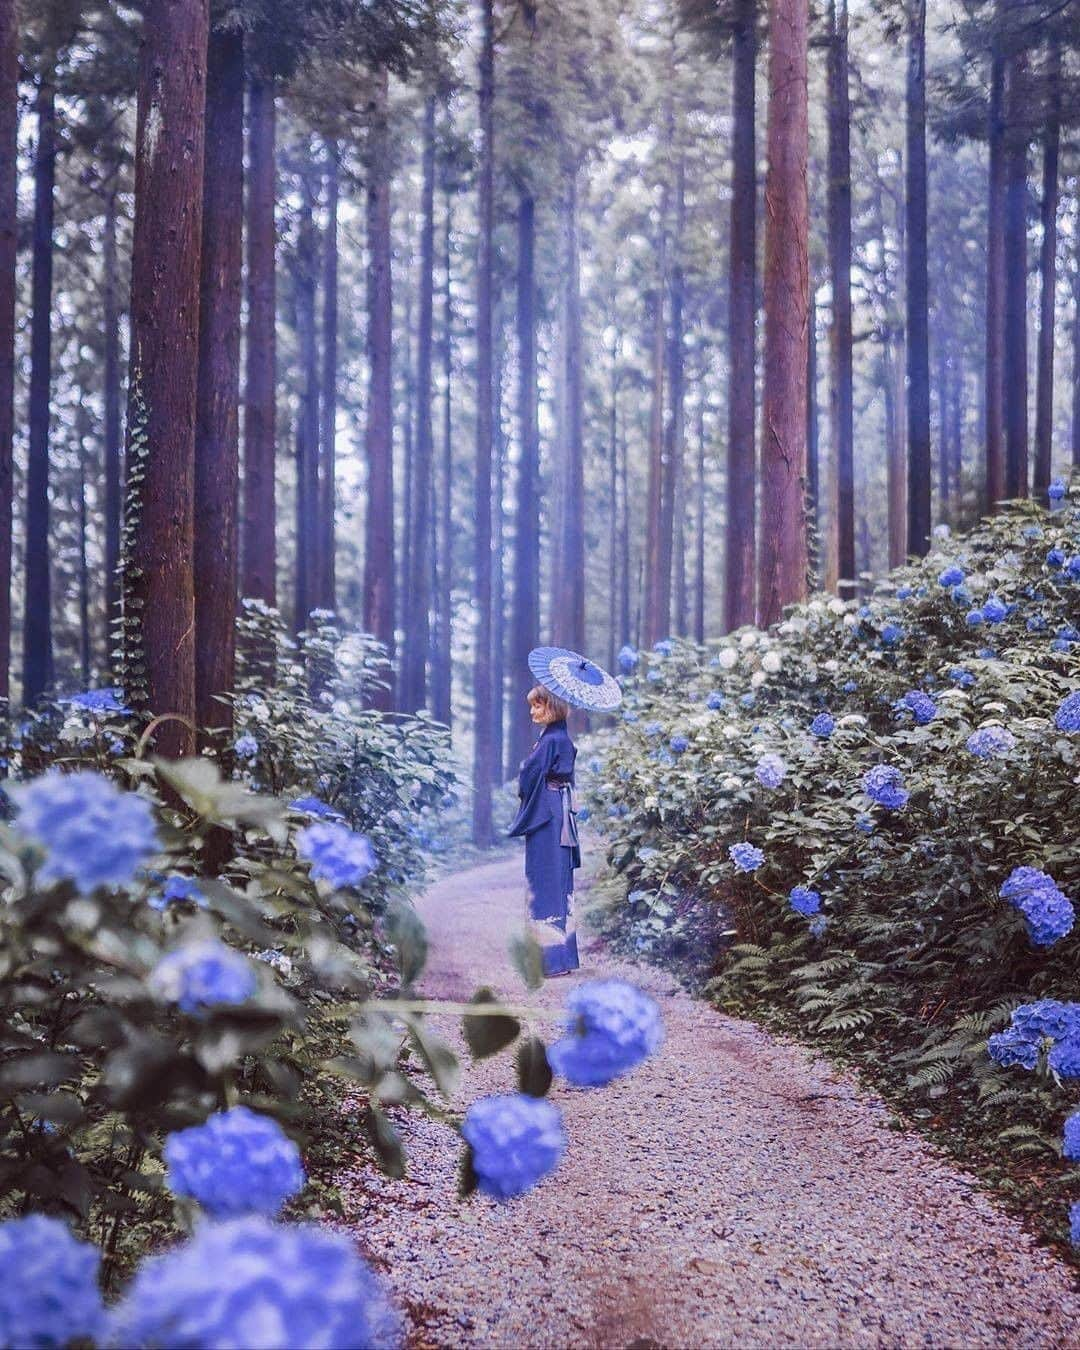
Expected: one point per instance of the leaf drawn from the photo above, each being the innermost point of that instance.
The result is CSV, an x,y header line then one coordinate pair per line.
x,y
61,1108
440,1059
387,1143
488,1033
528,958
533,1070
467,1178
44,1068
199,782
405,929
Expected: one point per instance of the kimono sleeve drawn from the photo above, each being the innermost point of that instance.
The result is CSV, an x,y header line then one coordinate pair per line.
x,y
535,810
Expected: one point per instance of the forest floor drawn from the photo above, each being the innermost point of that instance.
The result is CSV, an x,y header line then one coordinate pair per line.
x,y
733,1191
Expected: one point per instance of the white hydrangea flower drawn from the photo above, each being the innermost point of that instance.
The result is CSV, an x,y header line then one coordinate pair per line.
x,y
837,606
748,640
832,665
732,732
758,679
851,621
731,783
728,658
771,662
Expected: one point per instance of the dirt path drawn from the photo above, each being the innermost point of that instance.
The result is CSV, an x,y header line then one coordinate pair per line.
x,y
731,1192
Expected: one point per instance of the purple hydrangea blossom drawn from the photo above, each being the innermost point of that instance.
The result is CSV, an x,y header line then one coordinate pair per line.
x,y
973,618
1055,558
664,647
93,833
803,900
1049,913
951,576
1056,490
253,1282
178,888
892,633
1074,1223
770,771
962,678
1045,1019
98,702
1064,1058
884,784
49,1292
679,744
653,728
921,706
746,857
612,1027
817,925
203,975
823,725
1009,1048
1071,1137
315,806
994,610
628,659
336,854
246,746
715,700
1067,717
238,1162
990,742
515,1140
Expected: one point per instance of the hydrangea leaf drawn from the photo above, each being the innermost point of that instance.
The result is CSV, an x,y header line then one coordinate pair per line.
x,y
405,929
488,1033
533,1070
528,958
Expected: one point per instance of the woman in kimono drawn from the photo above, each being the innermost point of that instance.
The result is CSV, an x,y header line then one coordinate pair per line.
x,y
546,818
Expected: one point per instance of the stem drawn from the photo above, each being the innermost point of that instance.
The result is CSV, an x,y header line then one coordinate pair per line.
x,y
422,1005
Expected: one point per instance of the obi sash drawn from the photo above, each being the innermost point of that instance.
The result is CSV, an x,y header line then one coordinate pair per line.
x,y
568,837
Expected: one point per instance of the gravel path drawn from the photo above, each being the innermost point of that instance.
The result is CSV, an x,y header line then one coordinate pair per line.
x,y
731,1192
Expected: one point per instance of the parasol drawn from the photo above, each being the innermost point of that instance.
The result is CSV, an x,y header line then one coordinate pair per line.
x,y
575,679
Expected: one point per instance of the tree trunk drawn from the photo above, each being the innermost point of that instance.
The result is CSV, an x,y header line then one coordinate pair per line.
x,y
498,577
653,558
994,393
404,550
526,617
443,673
81,420
307,420
37,610
164,359
943,421
740,535
568,602
613,499
379,607
625,632
260,434
111,319
782,559
217,403
893,382
418,625
9,125
1015,372
699,554
482,692
673,431
841,403
1076,342
1044,397
920,465
326,594
815,527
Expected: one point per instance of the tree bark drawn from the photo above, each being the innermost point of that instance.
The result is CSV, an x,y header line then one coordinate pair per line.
x,y
920,465
85,662
815,527
443,673
613,498
740,535
943,423
782,558
111,319
1044,396
305,268
164,357
482,690
994,394
218,391
379,536
418,625
498,577
568,601
893,382
326,595
655,495
260,418
699,554
1076,342
1015,371
9,126
37,609
841,404
674,428
526,617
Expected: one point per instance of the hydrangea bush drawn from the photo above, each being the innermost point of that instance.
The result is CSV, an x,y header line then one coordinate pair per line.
x,y
906,814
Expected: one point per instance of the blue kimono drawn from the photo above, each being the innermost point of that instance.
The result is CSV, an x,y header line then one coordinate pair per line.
x,y
548,822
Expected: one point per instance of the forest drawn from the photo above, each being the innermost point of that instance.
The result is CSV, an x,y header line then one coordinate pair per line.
x,y
464,329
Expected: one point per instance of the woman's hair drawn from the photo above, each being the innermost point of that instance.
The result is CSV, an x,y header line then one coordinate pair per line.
x,y
557,708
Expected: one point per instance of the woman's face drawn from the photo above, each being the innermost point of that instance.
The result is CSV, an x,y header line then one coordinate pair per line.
x,y
539,711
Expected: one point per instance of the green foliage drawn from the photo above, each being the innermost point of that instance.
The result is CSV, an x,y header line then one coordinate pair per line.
x,y
920,959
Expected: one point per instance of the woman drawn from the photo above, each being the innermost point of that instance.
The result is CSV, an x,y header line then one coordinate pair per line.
x,y
546,818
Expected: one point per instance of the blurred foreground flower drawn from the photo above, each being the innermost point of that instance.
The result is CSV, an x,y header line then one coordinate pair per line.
x,y
612,1027
203,975
250,1282
94,834
48,1284
337,854
515,1140
238,1162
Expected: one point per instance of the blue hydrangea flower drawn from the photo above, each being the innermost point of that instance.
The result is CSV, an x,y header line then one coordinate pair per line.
x,y
253,1282
1032,532
664,647
864,823
962,678
653,728
1046,1018
715,700
336,854
747,700
817,925
884,784
994,610
515,1141
1064,1058
960,595
904,593
1067,717
1009,1048
1074,1223
315,806
679,744
850,686
1021,881
951,576
746,857
770,771
1072,567
238,1162
973,618
823,725
203,975
93,833
583,814
1035,623
628,659
892,633
98,702
989,742
611,1028
49,1292
246,746
1049,914
1056,490
803,900
654,676
1071,1137
178,888
921,706
1055,558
